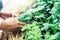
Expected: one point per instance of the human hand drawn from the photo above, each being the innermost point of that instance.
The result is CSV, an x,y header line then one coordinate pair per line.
x,y
6,15
11,24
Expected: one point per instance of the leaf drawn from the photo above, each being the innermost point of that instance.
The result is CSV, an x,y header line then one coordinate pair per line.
x,y
56,9
55,37
45,26
52,19
25,17
57,5
53,26
38,4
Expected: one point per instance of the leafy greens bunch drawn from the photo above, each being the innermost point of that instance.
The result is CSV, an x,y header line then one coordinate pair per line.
x,y
42,21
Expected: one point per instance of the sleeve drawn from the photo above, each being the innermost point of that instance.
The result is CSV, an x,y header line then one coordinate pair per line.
x,y
1,6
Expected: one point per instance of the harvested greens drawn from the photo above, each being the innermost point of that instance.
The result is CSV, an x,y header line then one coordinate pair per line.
x,y
42,21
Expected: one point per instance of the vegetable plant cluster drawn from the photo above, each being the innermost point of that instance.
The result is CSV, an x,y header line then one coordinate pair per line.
x,y
42,21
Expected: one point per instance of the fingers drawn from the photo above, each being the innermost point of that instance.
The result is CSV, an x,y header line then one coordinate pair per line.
x,y
6,15
20,23
9,14
3,17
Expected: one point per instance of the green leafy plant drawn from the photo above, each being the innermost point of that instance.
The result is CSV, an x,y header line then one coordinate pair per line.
x,y
32,31
26,17
42,21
